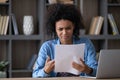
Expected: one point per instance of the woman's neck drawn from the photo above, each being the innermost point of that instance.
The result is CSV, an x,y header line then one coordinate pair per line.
x,y
68,42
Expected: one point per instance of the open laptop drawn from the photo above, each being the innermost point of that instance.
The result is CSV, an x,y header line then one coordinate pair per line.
x,y
109,64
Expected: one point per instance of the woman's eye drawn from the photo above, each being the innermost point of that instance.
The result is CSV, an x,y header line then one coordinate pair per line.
x,y
68,28
60,29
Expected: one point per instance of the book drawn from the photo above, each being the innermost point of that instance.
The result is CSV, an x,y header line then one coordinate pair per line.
x,y
92,25
6,25
96,25
3,24
99,25
113,24
32,62
1,17
15,27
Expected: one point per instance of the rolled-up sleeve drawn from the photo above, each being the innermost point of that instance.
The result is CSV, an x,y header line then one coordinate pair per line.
x,y
38,70
90,58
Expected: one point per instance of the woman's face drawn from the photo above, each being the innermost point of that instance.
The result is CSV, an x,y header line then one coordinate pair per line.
x,y
64,30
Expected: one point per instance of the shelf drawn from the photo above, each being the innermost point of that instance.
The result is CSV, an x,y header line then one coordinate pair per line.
x,y
101,37
94,37
39,37
6,37
21,70
21,37
113,5
112,37
26,37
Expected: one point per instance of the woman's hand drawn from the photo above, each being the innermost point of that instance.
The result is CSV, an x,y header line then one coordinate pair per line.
x,y
49,65
82,67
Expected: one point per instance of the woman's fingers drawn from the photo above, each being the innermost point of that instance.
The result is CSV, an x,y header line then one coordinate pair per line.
x,y
48,59
49,65
82,67
79,67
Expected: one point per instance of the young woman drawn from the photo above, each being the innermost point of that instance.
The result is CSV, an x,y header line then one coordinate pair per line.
x,y
63,22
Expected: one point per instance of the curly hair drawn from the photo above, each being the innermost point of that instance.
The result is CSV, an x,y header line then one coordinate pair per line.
x,y
56,12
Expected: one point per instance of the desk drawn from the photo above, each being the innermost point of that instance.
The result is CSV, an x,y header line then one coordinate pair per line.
x,y
56,78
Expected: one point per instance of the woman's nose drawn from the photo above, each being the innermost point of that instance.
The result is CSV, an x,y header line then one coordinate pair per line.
x,y
64,31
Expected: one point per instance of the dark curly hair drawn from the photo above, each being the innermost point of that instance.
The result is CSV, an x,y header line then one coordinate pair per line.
x,y
56,12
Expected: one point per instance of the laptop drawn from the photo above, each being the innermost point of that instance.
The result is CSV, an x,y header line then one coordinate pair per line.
x,y
108,64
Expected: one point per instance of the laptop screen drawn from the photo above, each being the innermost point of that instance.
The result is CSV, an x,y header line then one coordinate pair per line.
x,y
108,64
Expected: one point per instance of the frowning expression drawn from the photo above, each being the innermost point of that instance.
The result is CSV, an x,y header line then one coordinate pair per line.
x,y
64,30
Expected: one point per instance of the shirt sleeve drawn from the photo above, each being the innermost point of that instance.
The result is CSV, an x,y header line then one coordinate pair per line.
x,y
90,57
38,70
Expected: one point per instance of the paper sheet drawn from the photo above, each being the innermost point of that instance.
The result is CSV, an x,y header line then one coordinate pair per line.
x,y
65,55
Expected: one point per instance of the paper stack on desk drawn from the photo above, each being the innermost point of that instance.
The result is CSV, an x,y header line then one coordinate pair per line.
x,y
65,55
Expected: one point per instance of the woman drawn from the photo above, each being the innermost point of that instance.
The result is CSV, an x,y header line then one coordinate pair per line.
x,y
64,22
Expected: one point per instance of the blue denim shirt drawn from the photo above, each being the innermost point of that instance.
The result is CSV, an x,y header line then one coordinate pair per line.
x,y
48,49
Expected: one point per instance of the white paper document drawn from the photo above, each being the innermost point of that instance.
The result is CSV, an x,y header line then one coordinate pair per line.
x,y
65,55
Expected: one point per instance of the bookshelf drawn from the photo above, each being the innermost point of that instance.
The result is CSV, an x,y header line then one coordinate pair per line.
x,y
114,9
24,46
5,42
112,42
105,40
18,49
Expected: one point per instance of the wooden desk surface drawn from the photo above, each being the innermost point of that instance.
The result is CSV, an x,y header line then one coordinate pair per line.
x,y
56,78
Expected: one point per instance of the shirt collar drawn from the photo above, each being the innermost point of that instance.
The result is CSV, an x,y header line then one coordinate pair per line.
x,y
58,40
